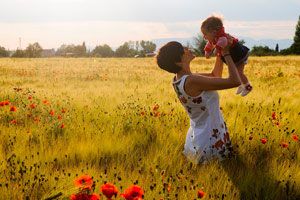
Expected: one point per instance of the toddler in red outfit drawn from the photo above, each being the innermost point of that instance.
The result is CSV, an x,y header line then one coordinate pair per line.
x,y
213,31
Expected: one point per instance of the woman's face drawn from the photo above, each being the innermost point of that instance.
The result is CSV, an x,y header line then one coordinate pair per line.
x,y
187,56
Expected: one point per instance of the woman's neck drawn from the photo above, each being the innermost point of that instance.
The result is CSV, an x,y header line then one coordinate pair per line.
x,y
185,71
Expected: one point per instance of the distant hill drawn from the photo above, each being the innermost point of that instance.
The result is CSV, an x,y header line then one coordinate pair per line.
x,y
250,42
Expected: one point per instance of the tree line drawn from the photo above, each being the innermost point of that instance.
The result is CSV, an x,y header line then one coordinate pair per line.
x,y
128,49
140,49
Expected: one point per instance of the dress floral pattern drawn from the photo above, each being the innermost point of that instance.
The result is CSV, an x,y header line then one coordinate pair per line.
x,y
207,137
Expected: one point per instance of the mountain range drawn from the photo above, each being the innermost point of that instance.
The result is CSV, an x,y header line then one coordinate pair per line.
x,y
249,42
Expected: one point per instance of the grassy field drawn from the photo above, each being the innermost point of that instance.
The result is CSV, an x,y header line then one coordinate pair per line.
x,y
95,116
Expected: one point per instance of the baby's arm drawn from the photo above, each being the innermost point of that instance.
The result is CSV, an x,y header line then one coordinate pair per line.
x,y
208,49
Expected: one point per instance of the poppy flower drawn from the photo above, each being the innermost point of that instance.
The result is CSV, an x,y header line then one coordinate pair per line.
x,y
155,107
134,192
84,182
263,140
85,197
2,103
284,144
13,121
30,97
62,126
200,194
13,109
32,106
109,190
6,103
51,112
273,115
59,117
295,137
46,102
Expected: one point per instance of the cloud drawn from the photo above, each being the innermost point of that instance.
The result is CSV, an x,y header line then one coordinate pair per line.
x,y
114,33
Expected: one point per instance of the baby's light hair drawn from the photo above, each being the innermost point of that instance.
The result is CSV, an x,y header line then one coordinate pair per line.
x,y
212,23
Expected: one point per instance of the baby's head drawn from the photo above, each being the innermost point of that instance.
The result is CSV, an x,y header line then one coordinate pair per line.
x,y
210,27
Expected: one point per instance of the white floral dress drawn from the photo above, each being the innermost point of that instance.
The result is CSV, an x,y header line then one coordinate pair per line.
x,y
207,136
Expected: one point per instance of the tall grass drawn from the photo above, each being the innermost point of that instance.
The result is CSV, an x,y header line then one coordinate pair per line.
x,y
111,131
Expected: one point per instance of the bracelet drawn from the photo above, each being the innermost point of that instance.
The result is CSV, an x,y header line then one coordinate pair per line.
x,y
226,55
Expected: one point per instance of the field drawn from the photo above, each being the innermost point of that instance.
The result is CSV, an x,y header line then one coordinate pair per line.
x,y
68,117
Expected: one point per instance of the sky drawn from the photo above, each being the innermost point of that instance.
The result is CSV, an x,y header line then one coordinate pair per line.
x,y
56,22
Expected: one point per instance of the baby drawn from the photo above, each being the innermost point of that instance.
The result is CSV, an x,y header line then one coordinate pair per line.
x,y
213,31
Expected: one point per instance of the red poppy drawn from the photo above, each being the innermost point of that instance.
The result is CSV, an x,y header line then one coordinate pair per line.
x,y
32,106
133,193
263,140
59,117
13,109
295,137
84,181
62,126
30,97
51,112
200,194
273,115
155,107
13,121
46,102
109,190
6,103
2,103
284,144
85,197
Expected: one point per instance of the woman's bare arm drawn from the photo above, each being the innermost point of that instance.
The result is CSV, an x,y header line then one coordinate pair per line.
x,y
200,83
217,71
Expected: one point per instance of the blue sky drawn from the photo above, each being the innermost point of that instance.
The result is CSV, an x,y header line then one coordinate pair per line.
x,y
53,22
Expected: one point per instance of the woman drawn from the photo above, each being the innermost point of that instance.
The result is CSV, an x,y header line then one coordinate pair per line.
x,y
207,136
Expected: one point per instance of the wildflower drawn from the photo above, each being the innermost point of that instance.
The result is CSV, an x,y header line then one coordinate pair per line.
x,y
263,140
13,121
284,144
2,103
295,137
46,102
59,117
62,126
155,107
133,193
30,98
51,112
13,109
200,194
273,115
80,196
109,190
156,114
84,182
32,106
6,103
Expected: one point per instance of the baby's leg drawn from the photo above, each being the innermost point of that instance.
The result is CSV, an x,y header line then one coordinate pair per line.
x,y
243,77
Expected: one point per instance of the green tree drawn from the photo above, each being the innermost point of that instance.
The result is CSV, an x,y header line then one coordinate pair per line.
x,y
199,44
34,50
103,51
277,48
146,47
125,50
263,51
19,54
295,48
3,52
72,50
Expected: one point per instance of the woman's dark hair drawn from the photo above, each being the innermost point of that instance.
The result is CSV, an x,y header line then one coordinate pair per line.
x,y
169,55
